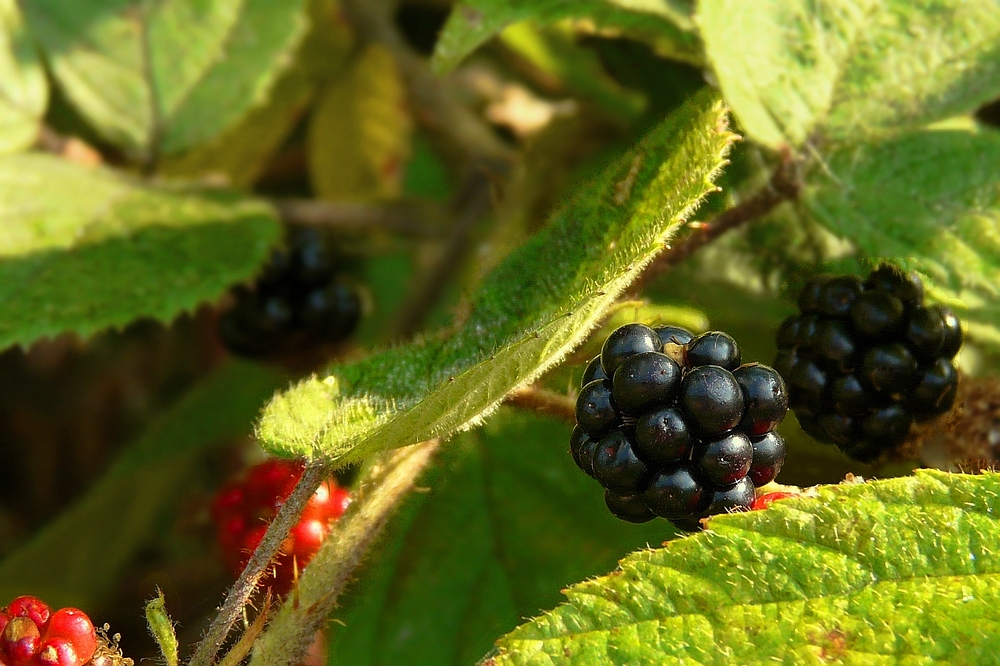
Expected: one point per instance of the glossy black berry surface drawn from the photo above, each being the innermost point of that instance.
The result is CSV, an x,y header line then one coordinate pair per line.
x,y
713,348
630,508
768,457
674,335
725,460
645,380
616,467
594,371
671,429
765,398
675,493
595,408
712,400
863,360
626,341
662,436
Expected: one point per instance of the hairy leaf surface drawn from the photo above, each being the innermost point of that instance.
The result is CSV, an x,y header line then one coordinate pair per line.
x,y
530,311
163,77
665,23
930,197
84,249
843,69
892,572
78,557
24,92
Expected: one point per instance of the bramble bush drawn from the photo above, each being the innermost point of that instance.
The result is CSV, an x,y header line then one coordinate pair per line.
x,y
384,239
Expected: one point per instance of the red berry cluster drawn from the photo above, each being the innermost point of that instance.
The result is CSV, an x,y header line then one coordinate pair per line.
x,y
32,635
243,509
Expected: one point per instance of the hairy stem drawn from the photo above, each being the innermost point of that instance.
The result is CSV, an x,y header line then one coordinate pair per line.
x,y
307,608
239,593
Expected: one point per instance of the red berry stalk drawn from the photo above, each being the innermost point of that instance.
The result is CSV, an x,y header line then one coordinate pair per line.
x,y
243,509
32,635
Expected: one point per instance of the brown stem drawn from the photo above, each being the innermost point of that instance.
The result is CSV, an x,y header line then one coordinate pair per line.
x,y
243,588
412,220
783,186
544,402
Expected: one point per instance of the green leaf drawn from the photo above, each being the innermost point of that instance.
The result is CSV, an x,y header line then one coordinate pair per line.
x,y
240,153
359,132
666,23
929,197
843,69
79,555
901,571
84,249
531,310
160,78
24,92
532,523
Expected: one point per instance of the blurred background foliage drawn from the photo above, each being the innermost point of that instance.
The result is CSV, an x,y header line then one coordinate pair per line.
x,y
114,435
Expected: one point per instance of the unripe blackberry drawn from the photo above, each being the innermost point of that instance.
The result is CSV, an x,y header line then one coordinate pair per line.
x,y
666,439
864,360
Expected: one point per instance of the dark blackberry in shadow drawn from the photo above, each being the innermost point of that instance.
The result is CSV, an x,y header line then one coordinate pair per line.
x,y
875,360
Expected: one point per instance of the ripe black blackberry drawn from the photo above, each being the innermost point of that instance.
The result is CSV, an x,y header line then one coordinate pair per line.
x,y
299,300
865,360
671,425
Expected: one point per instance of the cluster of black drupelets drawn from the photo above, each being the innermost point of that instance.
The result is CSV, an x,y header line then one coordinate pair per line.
x,y
864,360
673,425
298,301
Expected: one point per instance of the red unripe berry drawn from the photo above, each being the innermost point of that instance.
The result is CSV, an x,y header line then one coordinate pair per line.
x,y
31,607
58,652
20,641
243,510
74,625
767,499
4,619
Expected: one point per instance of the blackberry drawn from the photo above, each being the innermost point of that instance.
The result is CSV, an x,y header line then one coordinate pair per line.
x,y
644,380
768,457
864,360
595,408
297,301
765,398
679,441
626,341
713,348
631,508
673,335
712,399
594,371
616,467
